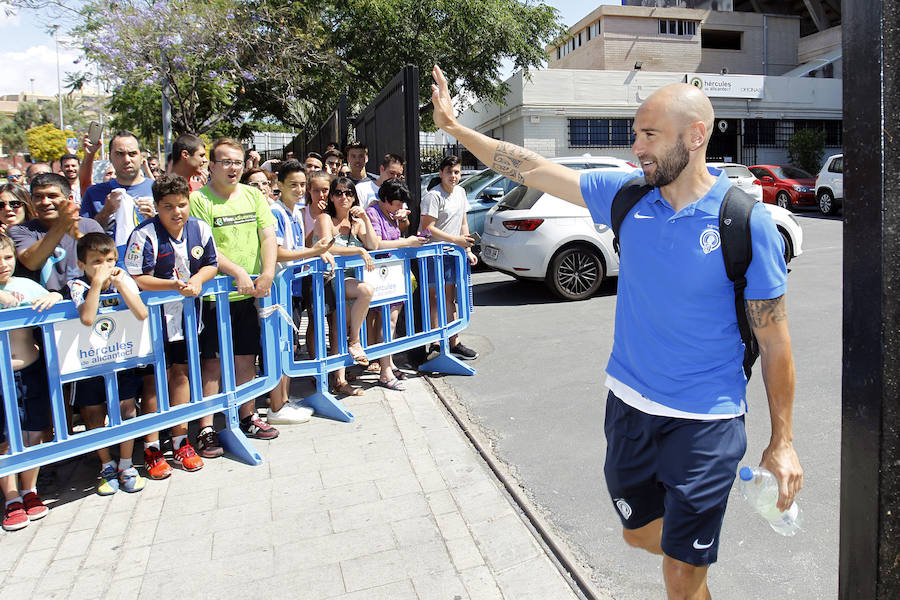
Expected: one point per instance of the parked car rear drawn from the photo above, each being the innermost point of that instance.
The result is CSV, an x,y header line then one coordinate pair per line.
x,y
741,177
830,185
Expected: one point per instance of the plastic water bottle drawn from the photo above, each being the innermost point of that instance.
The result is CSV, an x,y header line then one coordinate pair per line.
x,y
760,488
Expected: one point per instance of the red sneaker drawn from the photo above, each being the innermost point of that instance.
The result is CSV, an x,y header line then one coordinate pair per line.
x,y
186,458
155,464
16,518
34,506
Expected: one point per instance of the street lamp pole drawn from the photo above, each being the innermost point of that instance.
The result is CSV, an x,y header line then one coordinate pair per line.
x,y
62,127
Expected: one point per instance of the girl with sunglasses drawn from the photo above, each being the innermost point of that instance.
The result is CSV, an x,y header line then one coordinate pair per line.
x,y
346,221
15,206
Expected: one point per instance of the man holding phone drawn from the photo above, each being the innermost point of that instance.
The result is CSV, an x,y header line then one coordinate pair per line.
x,y
444,219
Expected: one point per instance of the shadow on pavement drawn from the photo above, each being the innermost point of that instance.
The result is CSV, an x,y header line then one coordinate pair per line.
x,y
513,292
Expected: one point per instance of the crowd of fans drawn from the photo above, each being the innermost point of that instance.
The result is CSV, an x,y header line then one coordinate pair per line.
x,y
207,211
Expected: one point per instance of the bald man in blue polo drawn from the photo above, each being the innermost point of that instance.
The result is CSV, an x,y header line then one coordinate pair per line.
x,y
677,390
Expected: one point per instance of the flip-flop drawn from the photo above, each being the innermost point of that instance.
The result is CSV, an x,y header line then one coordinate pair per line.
x,y
358,356
394,384
399,374
348,390
373,367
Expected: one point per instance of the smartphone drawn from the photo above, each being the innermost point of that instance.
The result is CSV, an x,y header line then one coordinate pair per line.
x,y
476,238
330,244
94,131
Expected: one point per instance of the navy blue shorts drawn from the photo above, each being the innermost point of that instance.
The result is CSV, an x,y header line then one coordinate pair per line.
x,y
678,469
246,333
33,397
92,392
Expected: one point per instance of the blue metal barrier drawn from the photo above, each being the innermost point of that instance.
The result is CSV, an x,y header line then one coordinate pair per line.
x,y
227,401
277,354
322,401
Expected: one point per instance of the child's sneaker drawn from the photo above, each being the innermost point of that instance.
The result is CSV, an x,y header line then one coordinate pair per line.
x,y
186,458
254,427
130,481
34,506
16,518
155,464
109,482
208,443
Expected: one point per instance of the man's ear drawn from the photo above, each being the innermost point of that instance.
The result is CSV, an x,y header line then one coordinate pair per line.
x,y
696,134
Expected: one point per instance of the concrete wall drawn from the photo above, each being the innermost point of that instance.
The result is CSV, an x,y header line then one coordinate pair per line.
x,y
819,44
629,34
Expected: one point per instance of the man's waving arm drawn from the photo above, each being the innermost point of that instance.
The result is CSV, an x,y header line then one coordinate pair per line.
x,y
515,162
768,319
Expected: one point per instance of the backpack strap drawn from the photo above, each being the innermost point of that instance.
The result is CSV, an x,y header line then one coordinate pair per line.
x,y
737,252
624,200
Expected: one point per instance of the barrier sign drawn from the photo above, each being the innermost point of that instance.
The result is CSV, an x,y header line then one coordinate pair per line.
x,y
388,280
729,86
114,337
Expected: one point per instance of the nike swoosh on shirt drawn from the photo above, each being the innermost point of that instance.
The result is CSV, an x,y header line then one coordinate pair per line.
x,y
638,215
699,546
166,254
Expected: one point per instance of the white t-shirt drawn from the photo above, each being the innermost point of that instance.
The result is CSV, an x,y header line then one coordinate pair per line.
x,y
366,190
448,210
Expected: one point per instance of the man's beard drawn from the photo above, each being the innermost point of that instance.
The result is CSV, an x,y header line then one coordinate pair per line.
x,y
670,166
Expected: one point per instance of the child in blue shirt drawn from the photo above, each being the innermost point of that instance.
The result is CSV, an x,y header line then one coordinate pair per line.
x,y
172,251
33,395
97,256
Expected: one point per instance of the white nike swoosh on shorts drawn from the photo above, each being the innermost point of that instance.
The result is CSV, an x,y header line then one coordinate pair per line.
x,y
699,546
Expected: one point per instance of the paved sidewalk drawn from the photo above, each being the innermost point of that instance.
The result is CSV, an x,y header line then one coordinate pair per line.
x,y
395,505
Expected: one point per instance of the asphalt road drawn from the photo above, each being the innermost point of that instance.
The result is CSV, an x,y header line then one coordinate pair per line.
x,y
539,397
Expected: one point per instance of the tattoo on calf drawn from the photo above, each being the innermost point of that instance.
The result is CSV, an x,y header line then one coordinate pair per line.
x,y
508,160
761,313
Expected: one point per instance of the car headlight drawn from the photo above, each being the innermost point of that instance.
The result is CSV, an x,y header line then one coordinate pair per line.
x,y
801,188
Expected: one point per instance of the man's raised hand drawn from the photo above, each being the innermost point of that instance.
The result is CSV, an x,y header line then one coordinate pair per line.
x,y
440,98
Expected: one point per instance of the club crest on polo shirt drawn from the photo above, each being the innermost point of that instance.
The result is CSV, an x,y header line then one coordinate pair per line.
x,y
197,252
624,508
709,239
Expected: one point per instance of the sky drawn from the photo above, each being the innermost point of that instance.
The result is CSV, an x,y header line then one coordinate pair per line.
x,y
28,52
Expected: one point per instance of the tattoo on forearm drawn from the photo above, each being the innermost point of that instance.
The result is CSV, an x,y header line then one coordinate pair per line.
x,y
508,160
761,313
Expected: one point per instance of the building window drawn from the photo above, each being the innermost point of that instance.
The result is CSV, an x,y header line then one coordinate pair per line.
x,y
831,128
677,27
600,133
558,52
595,29
715,39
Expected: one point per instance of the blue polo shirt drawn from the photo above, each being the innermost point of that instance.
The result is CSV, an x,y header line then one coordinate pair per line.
x,y
676,339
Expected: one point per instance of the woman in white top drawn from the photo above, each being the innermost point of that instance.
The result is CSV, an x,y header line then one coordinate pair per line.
x,y
346,221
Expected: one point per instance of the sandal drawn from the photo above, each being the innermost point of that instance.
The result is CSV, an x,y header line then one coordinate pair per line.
x,y
394,384
399,374
345,389
358,354
373,367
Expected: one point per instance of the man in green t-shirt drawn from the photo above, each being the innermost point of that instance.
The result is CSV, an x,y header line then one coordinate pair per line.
x,y
244,231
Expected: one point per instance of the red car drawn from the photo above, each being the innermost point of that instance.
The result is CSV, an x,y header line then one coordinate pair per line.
x,y
786,186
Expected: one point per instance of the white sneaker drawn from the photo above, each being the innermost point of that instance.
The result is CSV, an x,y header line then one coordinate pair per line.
x,y
290,414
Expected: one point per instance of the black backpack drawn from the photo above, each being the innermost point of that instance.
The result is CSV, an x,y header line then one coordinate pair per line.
x,y
737,250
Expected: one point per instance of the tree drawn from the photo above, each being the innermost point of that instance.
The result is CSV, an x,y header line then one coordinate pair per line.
x,y
805,149
46,142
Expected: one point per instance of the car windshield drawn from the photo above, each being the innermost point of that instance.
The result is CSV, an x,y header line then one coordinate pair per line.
x,y
476,182
733,171
791,173
521,198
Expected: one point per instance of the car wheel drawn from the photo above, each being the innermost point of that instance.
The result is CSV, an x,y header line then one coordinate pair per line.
x,y
788,248
575,273
783,199
826,202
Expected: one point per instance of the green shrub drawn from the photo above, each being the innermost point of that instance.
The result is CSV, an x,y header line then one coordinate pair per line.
x,y
806,148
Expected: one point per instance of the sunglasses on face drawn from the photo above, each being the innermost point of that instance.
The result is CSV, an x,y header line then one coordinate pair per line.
x,y
347,193
14,177
13,204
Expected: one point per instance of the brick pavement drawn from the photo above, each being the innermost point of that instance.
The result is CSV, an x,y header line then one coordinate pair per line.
x,y
396,505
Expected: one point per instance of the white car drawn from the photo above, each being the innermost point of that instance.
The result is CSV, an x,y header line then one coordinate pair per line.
x,y
830,185
533,235
742,178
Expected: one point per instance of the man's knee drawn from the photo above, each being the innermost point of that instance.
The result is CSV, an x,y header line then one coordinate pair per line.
x,y
685,581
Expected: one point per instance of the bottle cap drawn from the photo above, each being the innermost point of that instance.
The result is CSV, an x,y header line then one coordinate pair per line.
x,y
746,473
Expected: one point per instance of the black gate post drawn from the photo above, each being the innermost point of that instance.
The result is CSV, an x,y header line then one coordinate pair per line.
x,y
343,123
870,437
411,132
